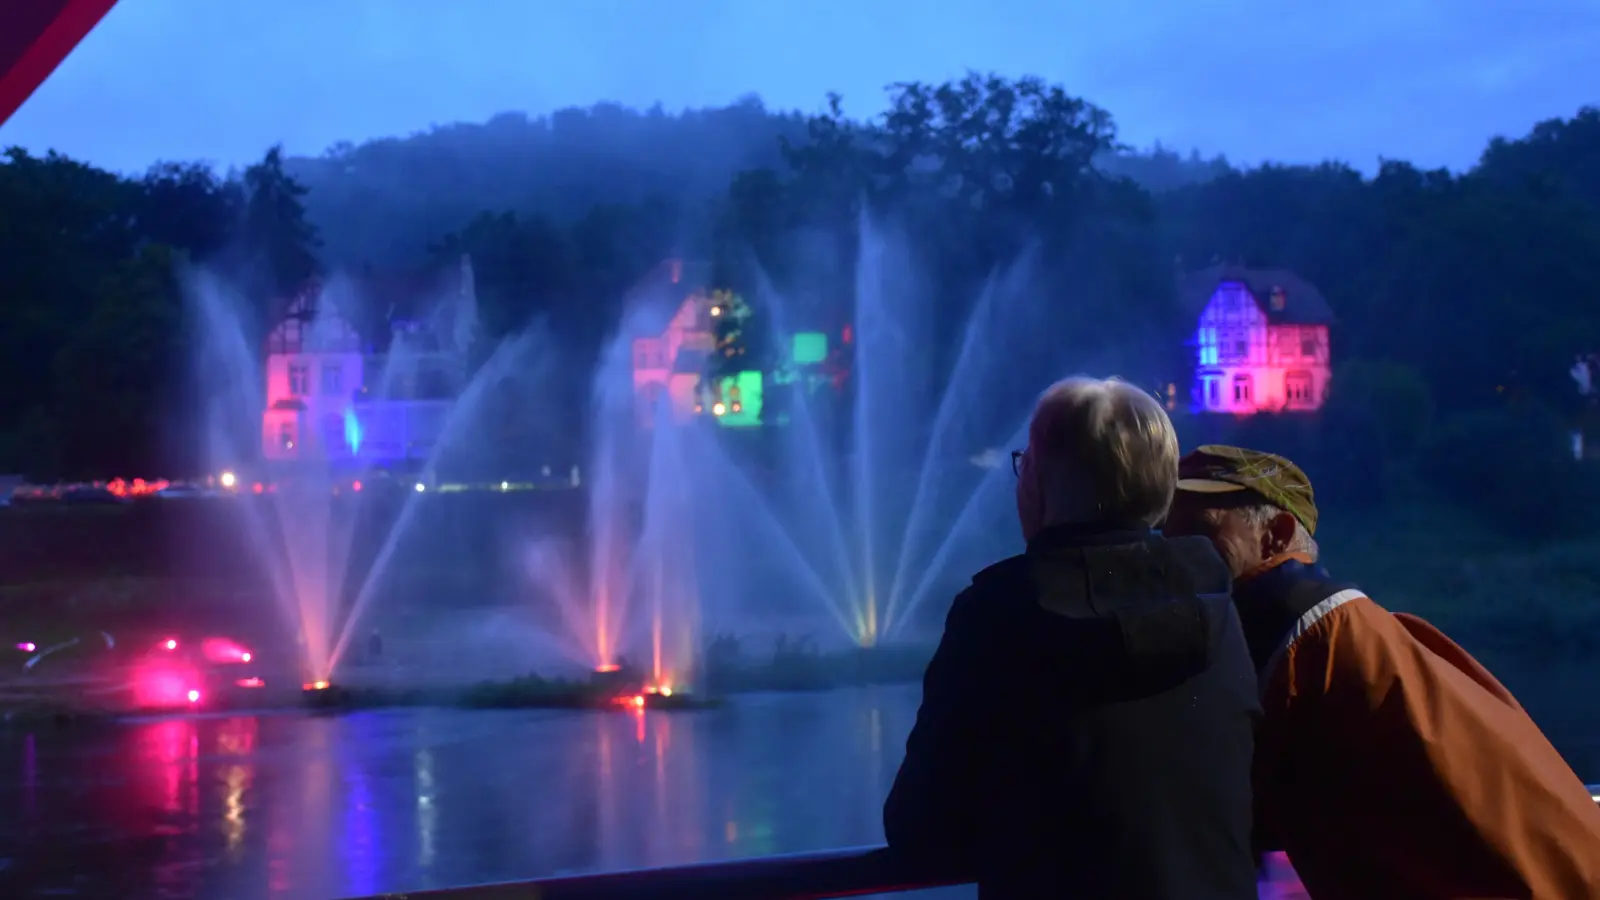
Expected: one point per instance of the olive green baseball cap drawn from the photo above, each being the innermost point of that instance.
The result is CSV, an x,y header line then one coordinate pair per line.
x,y
1220,469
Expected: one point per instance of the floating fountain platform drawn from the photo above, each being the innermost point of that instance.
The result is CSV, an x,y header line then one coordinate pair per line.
x,y
529,692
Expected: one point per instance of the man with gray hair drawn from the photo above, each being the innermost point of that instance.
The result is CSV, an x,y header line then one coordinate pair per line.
x,y
1389,762
1086,722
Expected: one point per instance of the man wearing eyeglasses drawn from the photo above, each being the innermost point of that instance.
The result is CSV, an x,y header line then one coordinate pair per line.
x,y
1086,723
1389,762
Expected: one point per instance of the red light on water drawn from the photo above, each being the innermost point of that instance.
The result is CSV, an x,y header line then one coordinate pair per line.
x,y
355,486
608,667
258,487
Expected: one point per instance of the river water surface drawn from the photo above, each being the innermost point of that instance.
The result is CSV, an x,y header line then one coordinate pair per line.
x,y
300,806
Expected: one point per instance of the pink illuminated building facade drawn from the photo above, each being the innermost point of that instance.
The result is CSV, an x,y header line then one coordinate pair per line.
x,y
332,395
673,375
667,366
313,367
1261,341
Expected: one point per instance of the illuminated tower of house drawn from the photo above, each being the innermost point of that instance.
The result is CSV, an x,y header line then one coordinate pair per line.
x,y
314,366
1261,341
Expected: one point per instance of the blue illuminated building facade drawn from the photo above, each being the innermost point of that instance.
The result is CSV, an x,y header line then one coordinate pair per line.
x,y
1261,341
333,396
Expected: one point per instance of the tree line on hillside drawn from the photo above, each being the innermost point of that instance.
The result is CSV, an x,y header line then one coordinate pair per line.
x,y
1461,299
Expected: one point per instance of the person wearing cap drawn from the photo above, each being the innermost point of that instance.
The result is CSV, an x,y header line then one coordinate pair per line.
x,y
1389,762
1087,721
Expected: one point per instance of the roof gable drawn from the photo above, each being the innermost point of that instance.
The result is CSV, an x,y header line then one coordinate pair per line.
x,y
1286,298
657,298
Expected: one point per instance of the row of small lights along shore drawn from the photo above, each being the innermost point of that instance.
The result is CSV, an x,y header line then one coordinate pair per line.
x,y
230,483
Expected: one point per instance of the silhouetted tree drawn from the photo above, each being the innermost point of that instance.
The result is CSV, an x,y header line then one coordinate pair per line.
x,y
277,242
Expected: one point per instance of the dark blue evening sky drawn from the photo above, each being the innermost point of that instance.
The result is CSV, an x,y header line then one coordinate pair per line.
x,y
1297,80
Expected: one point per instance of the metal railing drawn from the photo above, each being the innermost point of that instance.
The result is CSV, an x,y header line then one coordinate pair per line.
x,y
796,876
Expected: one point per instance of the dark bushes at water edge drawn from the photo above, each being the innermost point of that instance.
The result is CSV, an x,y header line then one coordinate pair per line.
x,y
524,692
533,692
794,665
799,665
1514,468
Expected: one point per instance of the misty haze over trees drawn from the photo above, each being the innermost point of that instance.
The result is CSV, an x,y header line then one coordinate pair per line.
x,y
1461,299
388,199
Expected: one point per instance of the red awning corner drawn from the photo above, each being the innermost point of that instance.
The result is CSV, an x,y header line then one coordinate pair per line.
x,y
35,36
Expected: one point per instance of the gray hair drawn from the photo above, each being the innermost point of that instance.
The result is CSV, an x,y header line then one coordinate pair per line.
x,y
1104,451
1261,515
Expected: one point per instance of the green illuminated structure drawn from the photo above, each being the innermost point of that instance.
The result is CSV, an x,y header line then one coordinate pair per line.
x,y
809,348
739,401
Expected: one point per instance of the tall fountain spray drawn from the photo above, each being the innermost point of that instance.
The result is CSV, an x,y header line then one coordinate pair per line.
x,y
301,520
628,591
914,501
683,537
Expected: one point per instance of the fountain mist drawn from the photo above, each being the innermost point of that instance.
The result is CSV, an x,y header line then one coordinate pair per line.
x,y
883,523
303,522
629,591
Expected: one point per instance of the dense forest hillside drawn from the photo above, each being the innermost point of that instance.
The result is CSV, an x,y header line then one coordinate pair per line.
x,y
1461,299
386,200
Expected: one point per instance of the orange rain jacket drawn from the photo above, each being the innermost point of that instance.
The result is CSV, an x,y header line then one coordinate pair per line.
x,y
1391,764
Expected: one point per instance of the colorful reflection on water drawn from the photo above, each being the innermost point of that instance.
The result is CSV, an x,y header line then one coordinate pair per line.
x,y
289,806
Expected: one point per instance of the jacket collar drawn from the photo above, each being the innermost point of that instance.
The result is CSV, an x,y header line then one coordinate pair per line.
x,y
1098,534
1278,573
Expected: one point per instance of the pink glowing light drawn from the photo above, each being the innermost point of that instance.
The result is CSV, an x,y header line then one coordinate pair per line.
x,y
250,683
27,646
223,651
159,684
171,644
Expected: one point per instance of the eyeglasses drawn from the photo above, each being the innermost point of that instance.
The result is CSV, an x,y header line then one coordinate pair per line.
x,y
1016,462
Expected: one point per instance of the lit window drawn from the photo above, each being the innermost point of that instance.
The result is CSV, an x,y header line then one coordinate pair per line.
x,y
1297,385
299,380
1241,388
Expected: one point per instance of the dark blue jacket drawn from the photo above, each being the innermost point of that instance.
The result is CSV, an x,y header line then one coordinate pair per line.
x,y
1086,727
